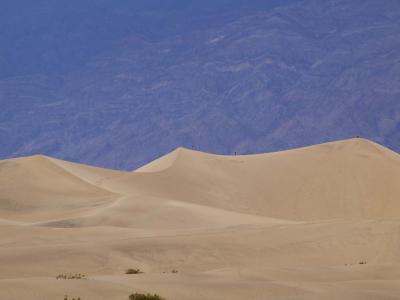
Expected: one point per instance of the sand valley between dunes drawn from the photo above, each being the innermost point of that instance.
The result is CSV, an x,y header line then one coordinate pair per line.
x,y
320,222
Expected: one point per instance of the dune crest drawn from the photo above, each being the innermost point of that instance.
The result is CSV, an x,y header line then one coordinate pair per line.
x,y
354,178
161,163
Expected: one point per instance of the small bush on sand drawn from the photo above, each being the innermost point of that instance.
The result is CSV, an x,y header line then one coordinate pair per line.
x,y
137,296
71,276
133,271
66,298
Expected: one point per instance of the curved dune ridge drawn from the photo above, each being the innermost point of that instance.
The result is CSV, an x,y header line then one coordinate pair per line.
x,y
296,223
36,187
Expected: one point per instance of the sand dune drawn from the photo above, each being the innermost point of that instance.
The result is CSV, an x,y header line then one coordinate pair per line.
x,y
286,225
35,188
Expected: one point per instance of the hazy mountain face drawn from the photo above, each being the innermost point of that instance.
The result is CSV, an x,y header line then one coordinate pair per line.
x,y
53,37
118,83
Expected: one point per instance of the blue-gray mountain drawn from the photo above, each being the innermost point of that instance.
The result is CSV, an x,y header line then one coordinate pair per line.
x,y
117,85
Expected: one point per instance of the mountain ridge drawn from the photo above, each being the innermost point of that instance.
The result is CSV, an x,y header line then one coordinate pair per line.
x,y
267,79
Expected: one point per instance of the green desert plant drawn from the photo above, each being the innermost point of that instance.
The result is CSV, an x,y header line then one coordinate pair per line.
x,y
137,296
133,271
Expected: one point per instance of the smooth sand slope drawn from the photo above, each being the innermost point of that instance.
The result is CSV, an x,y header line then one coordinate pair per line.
x,y
286,225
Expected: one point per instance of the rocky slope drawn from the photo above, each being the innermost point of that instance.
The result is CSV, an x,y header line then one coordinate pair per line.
x,y
232,77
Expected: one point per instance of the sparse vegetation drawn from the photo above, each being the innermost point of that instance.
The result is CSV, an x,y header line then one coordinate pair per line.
x,y
174,271
67,298
137,296
71,276
363,262
133,271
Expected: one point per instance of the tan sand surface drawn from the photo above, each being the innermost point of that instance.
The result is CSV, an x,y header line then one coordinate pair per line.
x,y
287,225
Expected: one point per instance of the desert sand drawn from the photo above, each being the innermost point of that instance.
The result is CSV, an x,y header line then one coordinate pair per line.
x,y
320,222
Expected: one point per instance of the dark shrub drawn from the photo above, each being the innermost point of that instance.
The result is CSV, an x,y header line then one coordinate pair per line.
x,y
137,296
133,271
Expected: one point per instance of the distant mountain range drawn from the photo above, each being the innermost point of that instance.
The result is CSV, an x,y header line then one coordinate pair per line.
x,y
119,84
